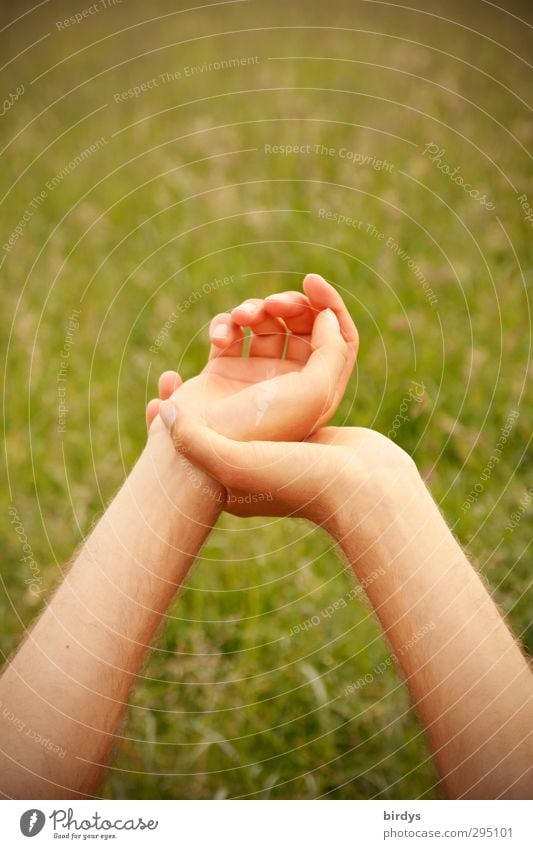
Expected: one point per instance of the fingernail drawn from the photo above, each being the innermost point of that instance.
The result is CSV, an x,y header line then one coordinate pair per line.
x,y
167,411
220,331
278,297
249,308
333,320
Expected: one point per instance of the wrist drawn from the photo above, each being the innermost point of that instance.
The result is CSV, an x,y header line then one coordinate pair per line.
x,y
175,474
375,476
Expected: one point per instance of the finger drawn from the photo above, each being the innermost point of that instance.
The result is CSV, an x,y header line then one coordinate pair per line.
x,y
152,409
298,313
298,347
322,295
269,333
269,336
236,465
226,337
168,382
292,307
249,312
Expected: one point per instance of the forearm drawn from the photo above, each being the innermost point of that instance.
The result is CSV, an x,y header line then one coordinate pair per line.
x,y
467,676
69,682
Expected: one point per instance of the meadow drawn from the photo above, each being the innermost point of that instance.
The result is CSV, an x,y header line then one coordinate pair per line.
x,y
160,163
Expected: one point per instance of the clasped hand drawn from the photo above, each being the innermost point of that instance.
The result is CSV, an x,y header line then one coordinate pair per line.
x,y
256,424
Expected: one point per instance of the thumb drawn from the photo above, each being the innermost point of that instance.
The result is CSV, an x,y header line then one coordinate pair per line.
x,y
326,330
236,465
325,368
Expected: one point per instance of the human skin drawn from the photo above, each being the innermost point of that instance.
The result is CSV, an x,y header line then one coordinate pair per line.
x,y
468,678
66,688
290,383
70,679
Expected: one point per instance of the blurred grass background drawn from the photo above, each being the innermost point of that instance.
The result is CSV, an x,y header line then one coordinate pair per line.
x,y
181,193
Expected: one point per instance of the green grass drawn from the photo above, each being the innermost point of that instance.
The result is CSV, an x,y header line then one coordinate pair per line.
x,y
230,704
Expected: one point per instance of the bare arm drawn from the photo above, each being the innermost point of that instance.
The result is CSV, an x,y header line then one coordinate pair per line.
x,y
64,693
66,689
468,677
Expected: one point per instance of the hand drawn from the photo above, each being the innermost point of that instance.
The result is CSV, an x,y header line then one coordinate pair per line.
x,y
267,396
316,479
